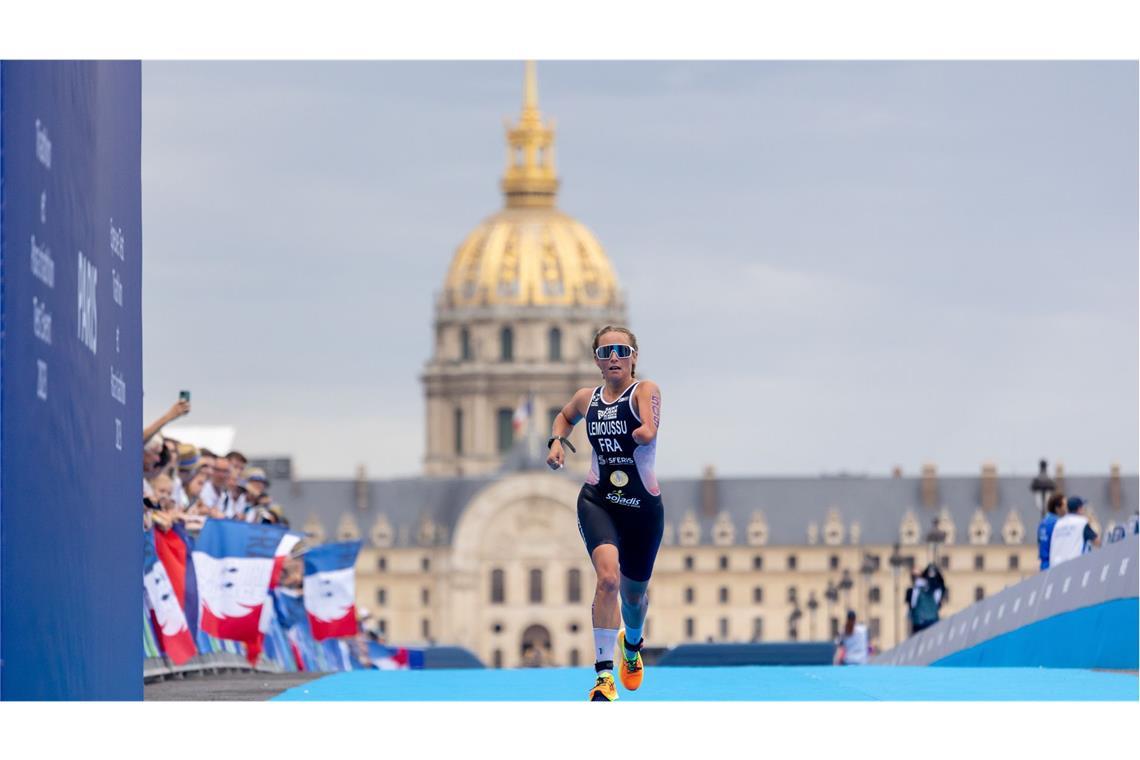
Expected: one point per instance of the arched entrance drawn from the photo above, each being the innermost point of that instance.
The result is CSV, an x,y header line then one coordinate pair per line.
x,y
536,647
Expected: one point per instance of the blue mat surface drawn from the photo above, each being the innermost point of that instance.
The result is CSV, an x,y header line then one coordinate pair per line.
x,y
808,684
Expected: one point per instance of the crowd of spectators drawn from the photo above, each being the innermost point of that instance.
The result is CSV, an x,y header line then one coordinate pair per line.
x,y
186,484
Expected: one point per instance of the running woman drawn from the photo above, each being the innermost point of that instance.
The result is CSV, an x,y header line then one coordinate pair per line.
x,y
620,515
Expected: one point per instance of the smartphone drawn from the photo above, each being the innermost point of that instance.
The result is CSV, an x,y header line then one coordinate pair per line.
x,y
184,395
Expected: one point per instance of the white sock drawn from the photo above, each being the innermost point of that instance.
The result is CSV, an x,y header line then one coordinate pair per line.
x,y
605,639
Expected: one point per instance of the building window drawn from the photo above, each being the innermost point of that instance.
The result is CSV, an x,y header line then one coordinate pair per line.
x,y
875,628
690,629
723,594
382,596
536,586
757,562
724,562
497,658
757,629
875,595
382,564
458,431
979,562
425,564
834,628
723,626
425,629
689,595
944,560
979,593
791,594
573,628
464,344
645,629
688,561
382,626
554,411
574,586
555,343
498,595
758,594
1014,562
791,562
425,596
506,344
833,562
573,656
506,429
793,634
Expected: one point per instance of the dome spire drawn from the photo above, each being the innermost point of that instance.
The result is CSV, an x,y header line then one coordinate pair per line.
x,y
530,179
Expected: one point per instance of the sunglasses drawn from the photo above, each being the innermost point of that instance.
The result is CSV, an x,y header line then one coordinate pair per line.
x,y
623,351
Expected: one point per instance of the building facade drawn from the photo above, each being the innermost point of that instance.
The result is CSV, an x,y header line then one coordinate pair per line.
x,y
484,550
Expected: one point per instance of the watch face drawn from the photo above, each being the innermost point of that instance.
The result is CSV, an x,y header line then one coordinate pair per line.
x,y
619,478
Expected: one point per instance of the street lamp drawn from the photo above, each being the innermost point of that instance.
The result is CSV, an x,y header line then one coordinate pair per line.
x,y
832,596
792,620
1042,487
934,539
896,560
845,584
870,565
812,605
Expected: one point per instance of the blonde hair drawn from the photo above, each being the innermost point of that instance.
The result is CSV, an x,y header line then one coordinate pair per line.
x,y
617,328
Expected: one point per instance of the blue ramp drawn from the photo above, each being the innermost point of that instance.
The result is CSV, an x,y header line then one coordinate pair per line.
x,y
794,684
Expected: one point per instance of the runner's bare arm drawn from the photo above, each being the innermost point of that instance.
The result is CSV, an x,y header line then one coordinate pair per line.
x,y
648,400
564,422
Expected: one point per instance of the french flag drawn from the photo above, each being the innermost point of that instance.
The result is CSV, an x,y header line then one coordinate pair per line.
x,y
175,549
234,563
288,541
522,414
330,589
169,618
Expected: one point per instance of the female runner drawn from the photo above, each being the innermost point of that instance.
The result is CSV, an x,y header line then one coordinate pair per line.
x,y
620,515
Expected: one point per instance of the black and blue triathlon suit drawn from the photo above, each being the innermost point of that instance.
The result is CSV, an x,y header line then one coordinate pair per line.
x,y
620,502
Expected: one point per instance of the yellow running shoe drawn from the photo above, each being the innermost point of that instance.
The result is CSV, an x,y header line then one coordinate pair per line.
x,y
604,689
630,671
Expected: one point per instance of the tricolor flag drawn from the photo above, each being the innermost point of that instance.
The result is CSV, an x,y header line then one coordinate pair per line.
x,y
394,658
330,589
234,562
522,414
169,619
284,547
174,549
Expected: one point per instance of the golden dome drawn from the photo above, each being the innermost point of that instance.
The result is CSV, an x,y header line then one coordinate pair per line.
x,y
530,253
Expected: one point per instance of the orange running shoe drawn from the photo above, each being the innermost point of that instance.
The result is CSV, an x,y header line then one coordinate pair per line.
x,y
630,671
604,689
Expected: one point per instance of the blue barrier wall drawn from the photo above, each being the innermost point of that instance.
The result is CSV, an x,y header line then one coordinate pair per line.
x,y
1102,636
70,380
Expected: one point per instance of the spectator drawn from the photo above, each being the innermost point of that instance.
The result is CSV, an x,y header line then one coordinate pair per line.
x,y
851,647
1072,535
924,597
216,493
179,409
1056,510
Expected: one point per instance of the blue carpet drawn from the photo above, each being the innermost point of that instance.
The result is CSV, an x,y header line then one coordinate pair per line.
x,y
808,684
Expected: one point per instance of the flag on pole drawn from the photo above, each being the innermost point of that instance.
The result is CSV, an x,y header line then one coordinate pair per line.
x,y
170,620
522,414
330,589
234,564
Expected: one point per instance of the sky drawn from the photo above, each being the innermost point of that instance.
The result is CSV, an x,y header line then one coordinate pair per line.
x,y
831,267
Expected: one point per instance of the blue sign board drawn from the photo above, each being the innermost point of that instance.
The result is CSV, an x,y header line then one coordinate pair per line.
x,y
70,380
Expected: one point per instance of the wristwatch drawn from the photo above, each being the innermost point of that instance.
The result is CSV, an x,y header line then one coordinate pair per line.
x,y
565,442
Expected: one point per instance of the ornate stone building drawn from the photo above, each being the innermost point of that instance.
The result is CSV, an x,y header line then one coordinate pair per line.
x,y
524,294
484,551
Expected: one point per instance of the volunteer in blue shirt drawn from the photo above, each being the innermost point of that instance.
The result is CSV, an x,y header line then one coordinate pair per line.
x,y
1045,529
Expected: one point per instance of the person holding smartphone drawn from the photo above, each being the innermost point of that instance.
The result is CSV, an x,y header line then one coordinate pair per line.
x,y
621,517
